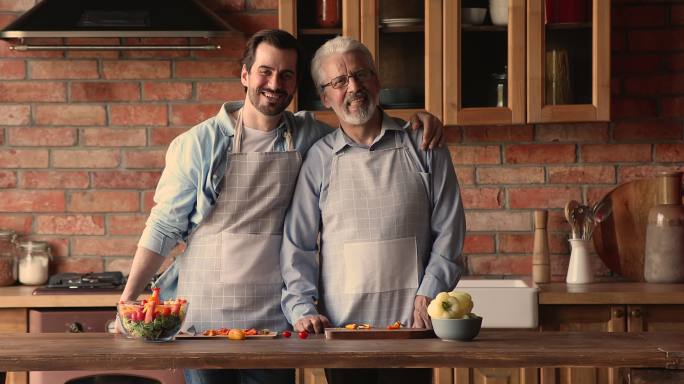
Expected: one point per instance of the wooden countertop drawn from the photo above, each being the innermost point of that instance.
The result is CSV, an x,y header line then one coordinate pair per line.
x,y
21,296
489,349
611,293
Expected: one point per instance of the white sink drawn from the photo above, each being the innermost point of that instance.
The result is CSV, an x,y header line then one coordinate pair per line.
x,y
503,303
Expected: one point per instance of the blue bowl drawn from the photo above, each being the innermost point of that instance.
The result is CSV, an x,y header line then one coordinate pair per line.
x,y
457,329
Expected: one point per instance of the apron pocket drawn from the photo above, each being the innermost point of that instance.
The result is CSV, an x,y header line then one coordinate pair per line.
x,y
250,258
380,266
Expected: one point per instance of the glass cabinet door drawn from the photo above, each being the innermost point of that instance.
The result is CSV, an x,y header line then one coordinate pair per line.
x,y
568,60
484,61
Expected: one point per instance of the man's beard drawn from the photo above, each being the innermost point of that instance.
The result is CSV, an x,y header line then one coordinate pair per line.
x,y
363,112
269,108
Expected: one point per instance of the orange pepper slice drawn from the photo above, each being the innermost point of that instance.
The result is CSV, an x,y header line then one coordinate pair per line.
x,y
350,326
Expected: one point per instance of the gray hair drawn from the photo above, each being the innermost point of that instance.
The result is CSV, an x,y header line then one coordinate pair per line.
x,y
338,45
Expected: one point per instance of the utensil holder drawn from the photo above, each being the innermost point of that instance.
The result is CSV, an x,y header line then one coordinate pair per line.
x,y
579,269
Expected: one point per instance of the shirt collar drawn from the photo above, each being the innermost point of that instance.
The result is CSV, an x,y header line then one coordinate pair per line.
x,y
227,125
342,141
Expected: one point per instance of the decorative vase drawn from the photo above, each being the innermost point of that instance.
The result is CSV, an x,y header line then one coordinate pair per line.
x,y
664,252
579,269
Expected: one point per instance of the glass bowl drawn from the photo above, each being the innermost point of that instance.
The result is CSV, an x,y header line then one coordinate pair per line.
x,y
457,329
162,323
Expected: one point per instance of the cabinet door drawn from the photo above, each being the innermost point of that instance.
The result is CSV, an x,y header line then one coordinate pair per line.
x,y
484,63
14,320
495,376
568,60
655,318
566,318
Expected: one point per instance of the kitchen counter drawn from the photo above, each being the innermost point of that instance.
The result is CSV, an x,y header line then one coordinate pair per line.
x,y
489,349
21,296
611,293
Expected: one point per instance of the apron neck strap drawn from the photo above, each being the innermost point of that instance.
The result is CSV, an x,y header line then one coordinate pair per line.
x,y
239,128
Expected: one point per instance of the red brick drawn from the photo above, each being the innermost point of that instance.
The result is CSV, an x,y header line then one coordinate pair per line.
x,y
673,106
164,136
54,179
596,194
96,91
500,265
114,137
453,134
149,158
167,91
191,114
540,153
621,108
499,221
104,246
558,243
21,224
12,69
104,201
510,175
649,40
70,225
16,5
675,62
648,130
136,69
221,91
142,114
22,91
557,221
125,180
626,173
63,69
32,201
542,197
465,175
14,114
670,153
581,175
221,69
6,19
126,224
165,54
644,64
482,198
569,132
677,14
48,137
466,155
77,264
69,114
635,17
516,242
662,84
148,201
59,246
616,152
85,158
499,134
92,54
8,179
24,158
478,244
252,22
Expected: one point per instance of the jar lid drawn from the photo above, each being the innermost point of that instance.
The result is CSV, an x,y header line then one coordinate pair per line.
x,y
33,245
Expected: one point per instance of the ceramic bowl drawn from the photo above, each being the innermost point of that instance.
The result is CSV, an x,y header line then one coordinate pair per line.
x,y
457,329
473,16
498,11
162,325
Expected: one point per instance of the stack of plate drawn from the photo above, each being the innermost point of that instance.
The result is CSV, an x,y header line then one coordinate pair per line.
x,y
401,22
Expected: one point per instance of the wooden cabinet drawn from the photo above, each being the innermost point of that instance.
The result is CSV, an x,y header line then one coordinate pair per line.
x,y
471,74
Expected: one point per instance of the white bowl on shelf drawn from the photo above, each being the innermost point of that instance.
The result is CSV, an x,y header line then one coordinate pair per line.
x,y
498,11
473,16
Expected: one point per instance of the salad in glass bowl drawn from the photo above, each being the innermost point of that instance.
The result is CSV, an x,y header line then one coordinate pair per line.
x,y
150,319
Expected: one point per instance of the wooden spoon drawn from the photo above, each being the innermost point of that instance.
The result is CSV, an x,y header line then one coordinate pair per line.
x,y
570,207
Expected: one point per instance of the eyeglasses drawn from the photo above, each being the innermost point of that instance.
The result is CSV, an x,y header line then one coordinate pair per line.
x,y
341,82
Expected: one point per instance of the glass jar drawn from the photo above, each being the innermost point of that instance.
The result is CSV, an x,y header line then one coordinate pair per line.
x,y
8,257
499,89
34,259
328,13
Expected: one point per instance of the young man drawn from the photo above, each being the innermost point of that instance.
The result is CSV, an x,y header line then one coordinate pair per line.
x,y
389,216
225,189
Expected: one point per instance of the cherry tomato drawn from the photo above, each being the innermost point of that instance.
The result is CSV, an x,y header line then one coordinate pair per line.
x,y
303,334
287,333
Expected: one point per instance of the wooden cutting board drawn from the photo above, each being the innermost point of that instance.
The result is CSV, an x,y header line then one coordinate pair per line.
x,y
374,334
620,241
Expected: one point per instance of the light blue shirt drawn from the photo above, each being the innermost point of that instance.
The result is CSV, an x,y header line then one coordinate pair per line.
x,y
299,252
195,165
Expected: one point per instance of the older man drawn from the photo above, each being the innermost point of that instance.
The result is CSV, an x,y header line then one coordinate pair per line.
x,y
390,217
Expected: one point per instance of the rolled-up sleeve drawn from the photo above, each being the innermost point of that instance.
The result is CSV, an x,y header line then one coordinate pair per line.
x,y
299,251
448,227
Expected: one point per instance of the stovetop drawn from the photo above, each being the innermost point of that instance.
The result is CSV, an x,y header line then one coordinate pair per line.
x,y
83,283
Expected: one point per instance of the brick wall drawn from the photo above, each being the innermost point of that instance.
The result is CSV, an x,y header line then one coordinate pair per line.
x,y
83,136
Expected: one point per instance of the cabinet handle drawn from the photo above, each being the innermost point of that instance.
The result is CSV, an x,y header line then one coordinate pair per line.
x,y
636,313
618,313
75,327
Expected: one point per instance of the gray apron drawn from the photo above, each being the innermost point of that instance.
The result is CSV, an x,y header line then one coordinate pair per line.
x,y
376,236
230,271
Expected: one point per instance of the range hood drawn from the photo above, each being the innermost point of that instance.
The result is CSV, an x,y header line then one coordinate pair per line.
x,y
117,18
